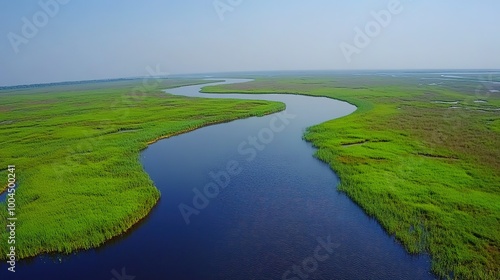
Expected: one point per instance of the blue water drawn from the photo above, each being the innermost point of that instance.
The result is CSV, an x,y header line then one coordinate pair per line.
x,y
3,196
273,207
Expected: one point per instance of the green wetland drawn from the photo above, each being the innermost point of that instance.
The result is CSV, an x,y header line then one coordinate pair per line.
x,y
420,155
428,171
76,150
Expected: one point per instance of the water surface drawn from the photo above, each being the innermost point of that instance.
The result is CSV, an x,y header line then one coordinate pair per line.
x,y
267,219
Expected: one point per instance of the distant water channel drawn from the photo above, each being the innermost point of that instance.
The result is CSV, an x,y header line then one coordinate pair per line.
x,y
259,206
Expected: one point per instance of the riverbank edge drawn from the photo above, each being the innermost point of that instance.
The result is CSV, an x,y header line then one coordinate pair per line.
x,y
441,268
156,196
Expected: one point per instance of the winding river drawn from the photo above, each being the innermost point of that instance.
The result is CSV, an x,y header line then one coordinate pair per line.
x,y
244,200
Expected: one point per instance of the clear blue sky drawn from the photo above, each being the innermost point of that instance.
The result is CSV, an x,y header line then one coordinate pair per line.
x,y
94,39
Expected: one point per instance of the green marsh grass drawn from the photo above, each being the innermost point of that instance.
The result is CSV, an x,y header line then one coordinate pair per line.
x,y
76,150
430,174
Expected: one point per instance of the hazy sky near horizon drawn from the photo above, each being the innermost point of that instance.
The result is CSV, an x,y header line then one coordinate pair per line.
x,y
95,39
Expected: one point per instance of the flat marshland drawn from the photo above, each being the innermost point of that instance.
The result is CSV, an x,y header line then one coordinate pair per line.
x,y
422,157
76,151
427,170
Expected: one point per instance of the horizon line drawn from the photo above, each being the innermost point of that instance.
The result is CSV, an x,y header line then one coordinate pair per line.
x,y
246,72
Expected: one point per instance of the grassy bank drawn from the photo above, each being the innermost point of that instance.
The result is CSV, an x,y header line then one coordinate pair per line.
x,y
424,165
76,150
